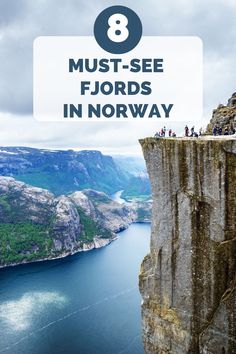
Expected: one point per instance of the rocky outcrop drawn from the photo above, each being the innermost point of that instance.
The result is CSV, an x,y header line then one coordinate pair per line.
x,y
97,205
96,243
110,214
188,281
224,116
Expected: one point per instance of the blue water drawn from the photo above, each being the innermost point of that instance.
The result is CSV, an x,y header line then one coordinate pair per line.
x,y
88,303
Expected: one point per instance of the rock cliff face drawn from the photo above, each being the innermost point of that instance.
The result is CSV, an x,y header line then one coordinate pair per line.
x,y
97,205
188,281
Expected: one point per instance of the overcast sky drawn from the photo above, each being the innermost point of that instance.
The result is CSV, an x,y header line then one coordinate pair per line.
x,y
23,20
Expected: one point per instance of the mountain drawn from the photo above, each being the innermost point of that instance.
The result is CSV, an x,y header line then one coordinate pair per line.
x,y
62,172
37,225
113,216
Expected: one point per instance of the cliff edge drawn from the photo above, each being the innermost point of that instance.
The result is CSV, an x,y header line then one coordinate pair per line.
x,y
188,281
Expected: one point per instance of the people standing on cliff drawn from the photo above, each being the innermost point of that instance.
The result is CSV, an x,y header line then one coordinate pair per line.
x,y
200,131
226,131
192,131
214,131
173,135
170,133
186,130
163,131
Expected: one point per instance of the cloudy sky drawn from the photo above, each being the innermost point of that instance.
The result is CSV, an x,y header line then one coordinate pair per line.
x,y
21,21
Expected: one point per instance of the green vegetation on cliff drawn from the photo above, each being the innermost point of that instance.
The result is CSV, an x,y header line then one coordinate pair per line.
x,y
90,228
4,203
23,242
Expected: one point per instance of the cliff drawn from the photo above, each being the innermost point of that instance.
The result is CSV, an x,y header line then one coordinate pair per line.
x,y
188,281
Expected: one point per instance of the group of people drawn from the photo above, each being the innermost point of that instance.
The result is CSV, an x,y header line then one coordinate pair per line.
x,y
171,134
163,133
191,132
218,130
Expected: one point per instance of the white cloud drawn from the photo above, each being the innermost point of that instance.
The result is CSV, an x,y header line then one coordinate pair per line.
x,y
110,138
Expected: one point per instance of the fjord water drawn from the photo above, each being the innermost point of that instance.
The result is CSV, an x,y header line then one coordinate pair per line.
x,y
88,303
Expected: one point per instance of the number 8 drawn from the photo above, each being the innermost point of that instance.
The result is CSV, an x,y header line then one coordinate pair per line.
x,y
118,31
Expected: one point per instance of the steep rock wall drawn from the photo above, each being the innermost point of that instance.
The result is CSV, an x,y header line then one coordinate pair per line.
x,y
188,280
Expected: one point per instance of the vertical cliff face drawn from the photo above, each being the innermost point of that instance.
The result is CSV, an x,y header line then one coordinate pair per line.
x,y
188,281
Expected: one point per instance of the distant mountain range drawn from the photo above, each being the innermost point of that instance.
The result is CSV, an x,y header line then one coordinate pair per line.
x,y
63,172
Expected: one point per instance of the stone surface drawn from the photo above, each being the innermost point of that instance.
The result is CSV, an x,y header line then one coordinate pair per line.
x,y
188,280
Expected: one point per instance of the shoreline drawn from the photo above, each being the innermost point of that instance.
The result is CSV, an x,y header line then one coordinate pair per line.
x,y
86,247
90,246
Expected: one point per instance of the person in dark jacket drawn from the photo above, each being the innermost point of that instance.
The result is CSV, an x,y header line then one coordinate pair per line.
x,y
186,130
